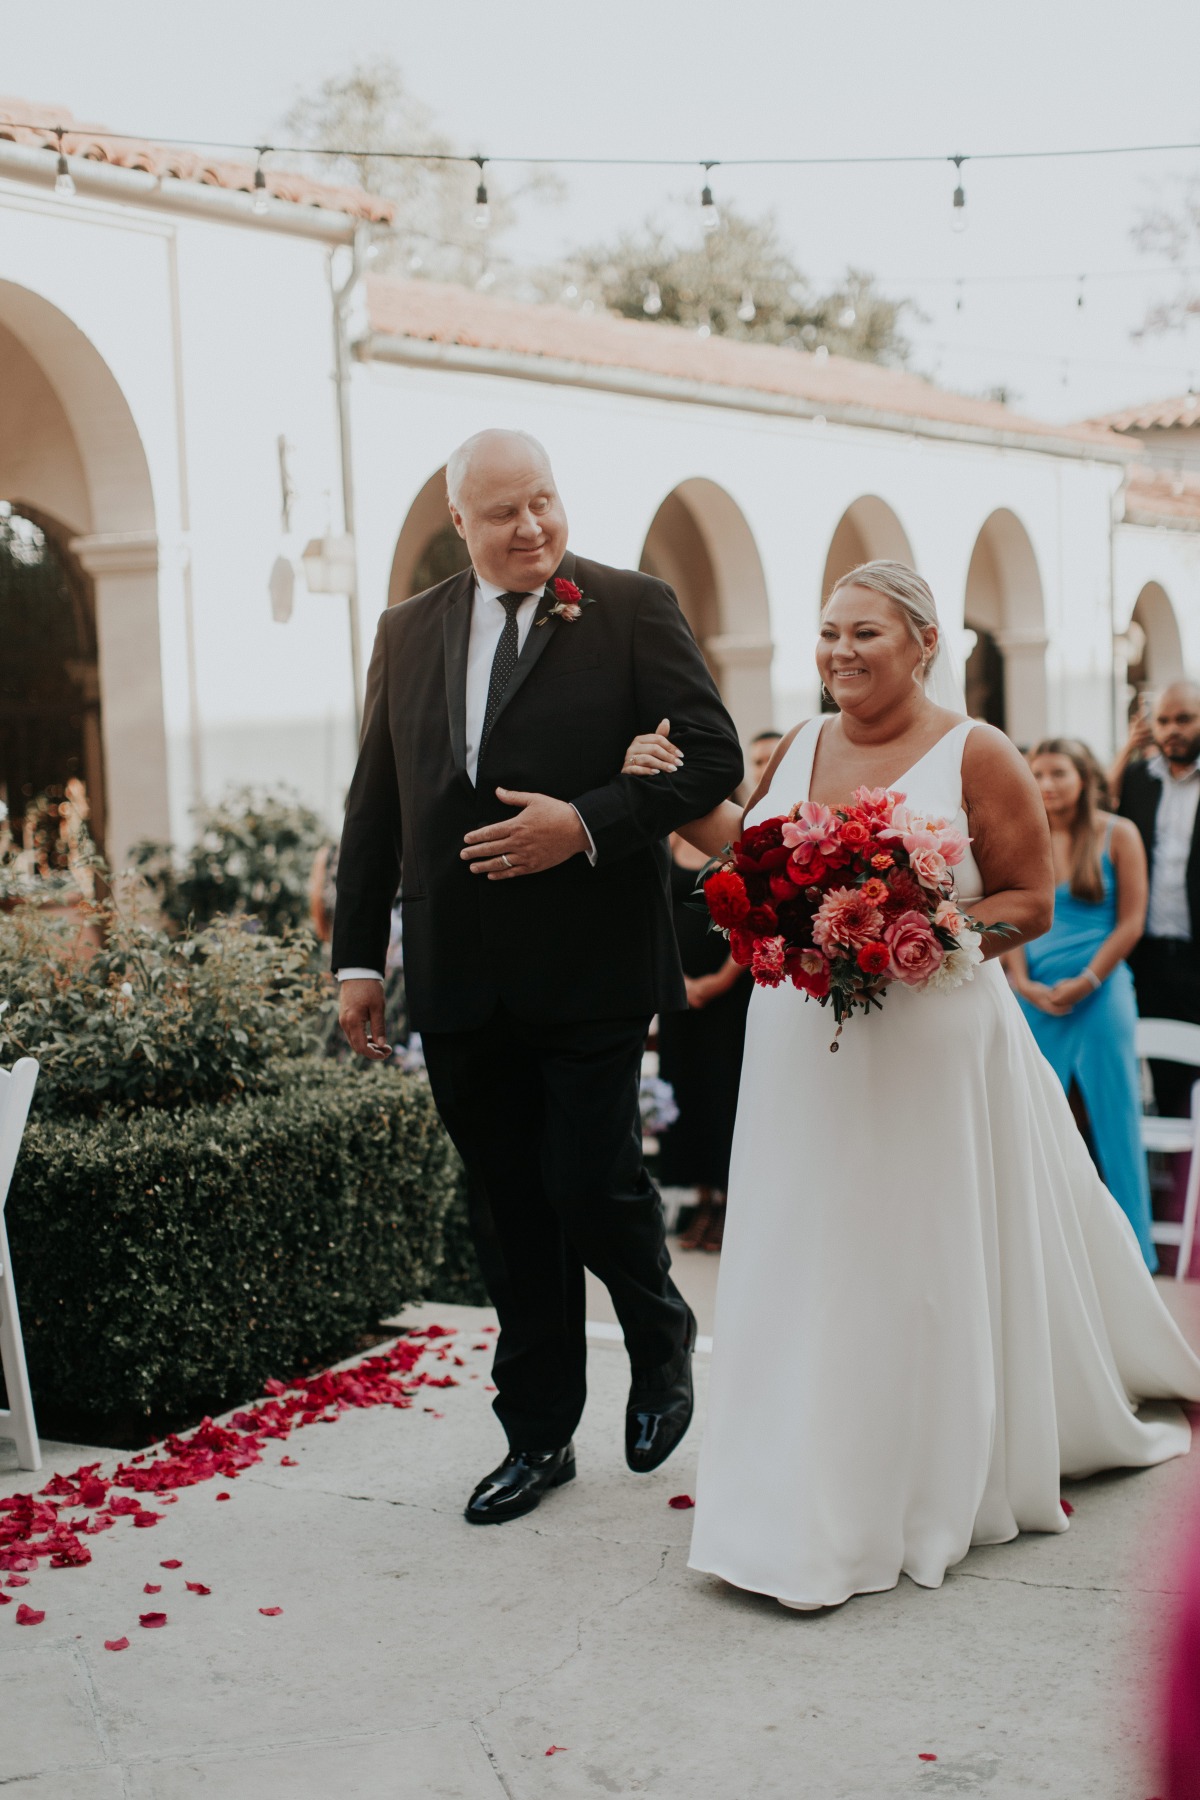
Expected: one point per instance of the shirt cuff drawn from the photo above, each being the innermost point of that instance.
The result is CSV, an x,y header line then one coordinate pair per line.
x,y
591,849
359,975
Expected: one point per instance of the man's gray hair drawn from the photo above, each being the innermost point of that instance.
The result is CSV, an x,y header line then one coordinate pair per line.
x,y
458,466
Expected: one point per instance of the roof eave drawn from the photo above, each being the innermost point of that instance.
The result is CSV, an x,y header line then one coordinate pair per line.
x,y
389,347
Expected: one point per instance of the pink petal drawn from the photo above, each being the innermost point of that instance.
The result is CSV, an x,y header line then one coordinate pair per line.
x,y
152,1621
288,1462
28,1615
152,1587
926,1756
172,1562
197,1587
17,1581
556,1749
270,1612
116,1643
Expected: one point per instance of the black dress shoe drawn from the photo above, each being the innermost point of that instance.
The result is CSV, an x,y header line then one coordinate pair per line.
x,y
517,1486
660,1409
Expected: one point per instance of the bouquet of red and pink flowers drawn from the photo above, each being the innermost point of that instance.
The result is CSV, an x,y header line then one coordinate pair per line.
x,y
842,901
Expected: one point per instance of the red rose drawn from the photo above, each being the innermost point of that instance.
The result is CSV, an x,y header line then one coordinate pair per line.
x,y
782,886
874,958
761,920
756,840
854,834
741,946
566,590
804,874
728,901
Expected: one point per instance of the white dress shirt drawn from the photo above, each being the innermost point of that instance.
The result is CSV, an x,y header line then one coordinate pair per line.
x,y
1168,915
488,619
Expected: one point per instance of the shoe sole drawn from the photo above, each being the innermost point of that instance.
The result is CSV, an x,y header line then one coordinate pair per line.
x,y
531,1505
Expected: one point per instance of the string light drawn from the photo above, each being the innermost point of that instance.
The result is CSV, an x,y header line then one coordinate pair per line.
x,y
261,198
958,304
747,312
1079,295
652,303
483,212
62,181
958,217
710,218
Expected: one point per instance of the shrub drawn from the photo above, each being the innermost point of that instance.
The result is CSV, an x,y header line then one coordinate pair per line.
x,y
149,1019
253,854
169,1262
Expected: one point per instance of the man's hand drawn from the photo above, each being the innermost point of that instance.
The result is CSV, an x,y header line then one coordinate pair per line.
x,y
543,834
360,1015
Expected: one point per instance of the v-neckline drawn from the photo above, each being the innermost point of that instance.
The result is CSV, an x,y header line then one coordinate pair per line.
x,y
889,786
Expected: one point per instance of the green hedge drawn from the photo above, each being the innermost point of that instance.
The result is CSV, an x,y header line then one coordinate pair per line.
x,y
167,1263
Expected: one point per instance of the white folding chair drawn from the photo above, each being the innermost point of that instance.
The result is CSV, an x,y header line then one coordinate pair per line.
x,y
1170,1040
16,1420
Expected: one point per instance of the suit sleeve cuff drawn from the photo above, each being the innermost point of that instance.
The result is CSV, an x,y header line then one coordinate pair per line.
x,y
591,849
359,975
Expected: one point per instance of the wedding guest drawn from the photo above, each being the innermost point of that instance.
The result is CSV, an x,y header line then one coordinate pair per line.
x,y
1074,985
762,749
1162,798
700,1054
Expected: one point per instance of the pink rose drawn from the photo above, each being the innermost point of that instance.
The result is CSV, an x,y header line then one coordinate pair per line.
x,y
949,918
953,846
916,953
929,866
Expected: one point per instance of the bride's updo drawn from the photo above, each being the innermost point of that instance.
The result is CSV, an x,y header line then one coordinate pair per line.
x,y
905,589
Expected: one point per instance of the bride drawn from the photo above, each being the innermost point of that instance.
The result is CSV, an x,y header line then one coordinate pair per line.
x,y
930,1309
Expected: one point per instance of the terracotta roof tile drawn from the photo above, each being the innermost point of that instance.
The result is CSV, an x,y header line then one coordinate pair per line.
x,y
1155,415
444,314
23,122
1162,497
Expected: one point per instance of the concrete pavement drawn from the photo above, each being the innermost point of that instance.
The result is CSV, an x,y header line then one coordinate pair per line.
x,y
418,1659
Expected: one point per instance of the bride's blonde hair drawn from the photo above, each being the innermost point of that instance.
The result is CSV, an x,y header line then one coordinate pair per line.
x,y
906,589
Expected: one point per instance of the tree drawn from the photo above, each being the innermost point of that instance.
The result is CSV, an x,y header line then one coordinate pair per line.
x,y
370,109
739,281
1174,234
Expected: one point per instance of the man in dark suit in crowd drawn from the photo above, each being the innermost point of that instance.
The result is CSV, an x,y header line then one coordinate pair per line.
x,y
537,930
1162,797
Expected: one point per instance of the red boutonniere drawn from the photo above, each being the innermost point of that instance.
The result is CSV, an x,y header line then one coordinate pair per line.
x,y
569,601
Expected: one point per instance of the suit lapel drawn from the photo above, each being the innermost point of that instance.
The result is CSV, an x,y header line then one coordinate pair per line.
x,y
537,637
456,637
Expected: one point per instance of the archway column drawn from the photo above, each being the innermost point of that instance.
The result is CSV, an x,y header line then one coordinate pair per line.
x,y
1024,651
124,569
741,665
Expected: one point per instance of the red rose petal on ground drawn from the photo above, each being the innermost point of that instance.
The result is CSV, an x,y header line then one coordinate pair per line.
x,y
223,1496
681,1502
288,1462
197,1587
116,1643
144,1520
1067,1507
556,1749
152,1621
29,1615
152,1587
926,1756
5,1599
270,1612
172,1562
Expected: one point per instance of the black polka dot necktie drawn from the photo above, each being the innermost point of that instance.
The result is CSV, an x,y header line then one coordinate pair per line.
x,y
503,664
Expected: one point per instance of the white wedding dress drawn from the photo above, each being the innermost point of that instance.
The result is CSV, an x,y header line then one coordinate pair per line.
x,y
930,1308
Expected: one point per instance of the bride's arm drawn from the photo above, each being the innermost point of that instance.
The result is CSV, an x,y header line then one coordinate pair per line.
x,y
653,751
1010,839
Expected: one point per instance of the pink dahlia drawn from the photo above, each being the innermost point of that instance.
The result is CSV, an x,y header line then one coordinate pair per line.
x,y
845,919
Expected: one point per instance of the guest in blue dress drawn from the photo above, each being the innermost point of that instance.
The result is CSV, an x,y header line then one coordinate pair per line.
x,y
1074,985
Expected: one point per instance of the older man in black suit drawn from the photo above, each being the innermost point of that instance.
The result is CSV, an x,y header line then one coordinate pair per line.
x,y
537,930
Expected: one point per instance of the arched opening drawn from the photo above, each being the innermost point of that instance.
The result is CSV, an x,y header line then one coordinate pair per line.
x,y
1006,670
49,674
867,531
1155,646
428,549
700,543
79,580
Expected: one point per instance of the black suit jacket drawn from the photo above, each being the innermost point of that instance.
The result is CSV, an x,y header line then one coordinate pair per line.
x,y
1141,792
574,942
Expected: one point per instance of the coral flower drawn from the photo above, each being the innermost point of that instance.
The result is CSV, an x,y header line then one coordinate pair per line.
x,y
815,826
845,920
874,958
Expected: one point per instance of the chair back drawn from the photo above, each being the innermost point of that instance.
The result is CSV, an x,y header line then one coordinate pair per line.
x,y
16,1092
1169,1040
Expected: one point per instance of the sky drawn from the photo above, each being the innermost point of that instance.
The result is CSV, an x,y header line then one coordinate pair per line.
x,y
698,79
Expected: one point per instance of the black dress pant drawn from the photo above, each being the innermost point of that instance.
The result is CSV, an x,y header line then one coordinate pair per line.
x,y
1166,975
546,1120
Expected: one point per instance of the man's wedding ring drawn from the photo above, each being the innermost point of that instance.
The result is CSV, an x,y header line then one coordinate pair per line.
x,y
505,860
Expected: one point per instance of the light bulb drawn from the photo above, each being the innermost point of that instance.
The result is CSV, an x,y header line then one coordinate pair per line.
x,y
747,311
847,317
652,300
710,218
260,202
483,212
62,181
958,217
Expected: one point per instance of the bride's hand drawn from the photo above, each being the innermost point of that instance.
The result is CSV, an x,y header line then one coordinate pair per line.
x,y
652,752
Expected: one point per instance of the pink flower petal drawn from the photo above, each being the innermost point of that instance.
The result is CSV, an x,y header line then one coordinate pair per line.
x,y
288,1462
172,1562
152,1621
29,1615
270,1612
152,1587
197,1587
926,1756
116,1643
17,1581
6,1599
681,1502
556,1749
